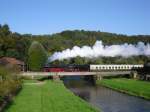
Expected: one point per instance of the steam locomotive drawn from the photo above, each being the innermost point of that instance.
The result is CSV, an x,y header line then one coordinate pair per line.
x,y
66,68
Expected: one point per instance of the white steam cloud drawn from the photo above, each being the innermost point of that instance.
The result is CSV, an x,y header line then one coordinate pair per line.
x,y
99,50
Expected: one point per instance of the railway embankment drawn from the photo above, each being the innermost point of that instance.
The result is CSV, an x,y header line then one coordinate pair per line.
x,y
128,86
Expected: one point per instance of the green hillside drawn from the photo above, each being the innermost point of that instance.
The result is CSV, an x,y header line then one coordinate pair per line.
x,y
16,45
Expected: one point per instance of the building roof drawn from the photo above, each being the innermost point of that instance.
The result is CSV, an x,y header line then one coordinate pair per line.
x,y
9,60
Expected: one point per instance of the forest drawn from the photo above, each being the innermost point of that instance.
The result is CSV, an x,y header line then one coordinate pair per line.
x,y
13,44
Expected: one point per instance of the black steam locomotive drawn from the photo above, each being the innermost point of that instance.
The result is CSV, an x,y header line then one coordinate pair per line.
x,y
145,72
66,68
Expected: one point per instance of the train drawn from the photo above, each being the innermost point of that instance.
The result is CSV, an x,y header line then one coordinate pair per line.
x,y
66,68
89,67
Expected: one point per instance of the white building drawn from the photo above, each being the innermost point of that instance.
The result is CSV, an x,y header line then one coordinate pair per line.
x,y
115,67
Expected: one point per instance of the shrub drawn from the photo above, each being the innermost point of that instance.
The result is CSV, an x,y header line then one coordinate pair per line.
x,y
10,83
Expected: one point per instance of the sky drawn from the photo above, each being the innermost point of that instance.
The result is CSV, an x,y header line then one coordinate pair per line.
x,y
131,17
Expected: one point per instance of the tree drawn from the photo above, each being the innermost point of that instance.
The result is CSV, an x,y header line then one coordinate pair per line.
x,y
5,30
79,60
37,56
12,53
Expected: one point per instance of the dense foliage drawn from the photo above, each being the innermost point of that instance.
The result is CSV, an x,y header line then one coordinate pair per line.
x,y
9,83
16,45
12,44
37,56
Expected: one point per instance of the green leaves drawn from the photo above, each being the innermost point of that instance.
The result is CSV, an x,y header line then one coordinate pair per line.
x,y
9,83
37,56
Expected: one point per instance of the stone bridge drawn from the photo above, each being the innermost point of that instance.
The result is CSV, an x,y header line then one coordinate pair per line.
x,y
103,73
98,75
95,70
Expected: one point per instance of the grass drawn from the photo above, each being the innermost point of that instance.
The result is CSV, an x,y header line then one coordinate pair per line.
x,y
129,86
48,97
30,81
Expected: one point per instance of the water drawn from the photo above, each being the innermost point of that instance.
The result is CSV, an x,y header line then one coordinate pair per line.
x,y
106,99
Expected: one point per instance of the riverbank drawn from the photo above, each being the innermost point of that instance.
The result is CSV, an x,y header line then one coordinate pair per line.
x,y
48,97
129,86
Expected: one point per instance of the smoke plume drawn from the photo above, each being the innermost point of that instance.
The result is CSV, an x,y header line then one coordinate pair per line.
x,y
99,50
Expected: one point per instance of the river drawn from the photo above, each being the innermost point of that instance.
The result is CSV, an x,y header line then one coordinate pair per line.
x,y
104,98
